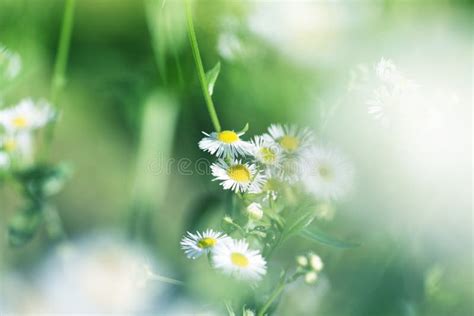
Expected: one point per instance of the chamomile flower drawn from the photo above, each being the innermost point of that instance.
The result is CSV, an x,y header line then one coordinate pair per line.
x,y
27,115
238,176
290,138
10,63
236,259
327,174
225,144
194,245
20,144
290,170
266,150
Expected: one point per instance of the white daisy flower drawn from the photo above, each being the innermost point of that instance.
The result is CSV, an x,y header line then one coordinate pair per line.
x,y
290,138
225,144
10,63
266,150
27,115
326,174
290,170
194,245
17,144
238,176
236,259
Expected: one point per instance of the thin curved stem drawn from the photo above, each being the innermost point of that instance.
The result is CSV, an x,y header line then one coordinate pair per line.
x,y
200,68
272,297
59,74
59,79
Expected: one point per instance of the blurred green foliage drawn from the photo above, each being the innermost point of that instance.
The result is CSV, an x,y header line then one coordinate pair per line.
x,y
123,52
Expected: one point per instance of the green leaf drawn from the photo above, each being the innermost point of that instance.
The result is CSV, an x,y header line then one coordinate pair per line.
x,y
319,236
211,77
297,219
245,129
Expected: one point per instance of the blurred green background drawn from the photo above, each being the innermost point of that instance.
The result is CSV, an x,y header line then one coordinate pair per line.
x,y
132,103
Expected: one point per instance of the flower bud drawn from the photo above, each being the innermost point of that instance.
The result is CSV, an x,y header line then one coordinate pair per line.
x,y
254,211
310,277
316,262
228,220
248,312
302,261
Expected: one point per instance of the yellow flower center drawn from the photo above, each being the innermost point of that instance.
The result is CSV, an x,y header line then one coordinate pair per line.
x,y
239,173
9,145
268,155
206,242
325,172
228,137
239,259
20,122
289,143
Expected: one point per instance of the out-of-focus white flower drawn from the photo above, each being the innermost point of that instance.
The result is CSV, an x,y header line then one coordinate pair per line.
x,y
230,46
26,116
393,94
225,144
194,245
254,211
306,32
315,262
98,276
382,102
238,176
310,277
290,170
10,63
290,138
4,160
266,150
18,146
326,173
386,70
236,259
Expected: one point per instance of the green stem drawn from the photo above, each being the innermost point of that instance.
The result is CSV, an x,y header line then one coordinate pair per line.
x,y
59,74
277,291
59,79
200,68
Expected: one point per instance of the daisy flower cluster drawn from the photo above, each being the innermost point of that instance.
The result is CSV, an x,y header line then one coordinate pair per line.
x,y
23,138
277,181
19,125
283,156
